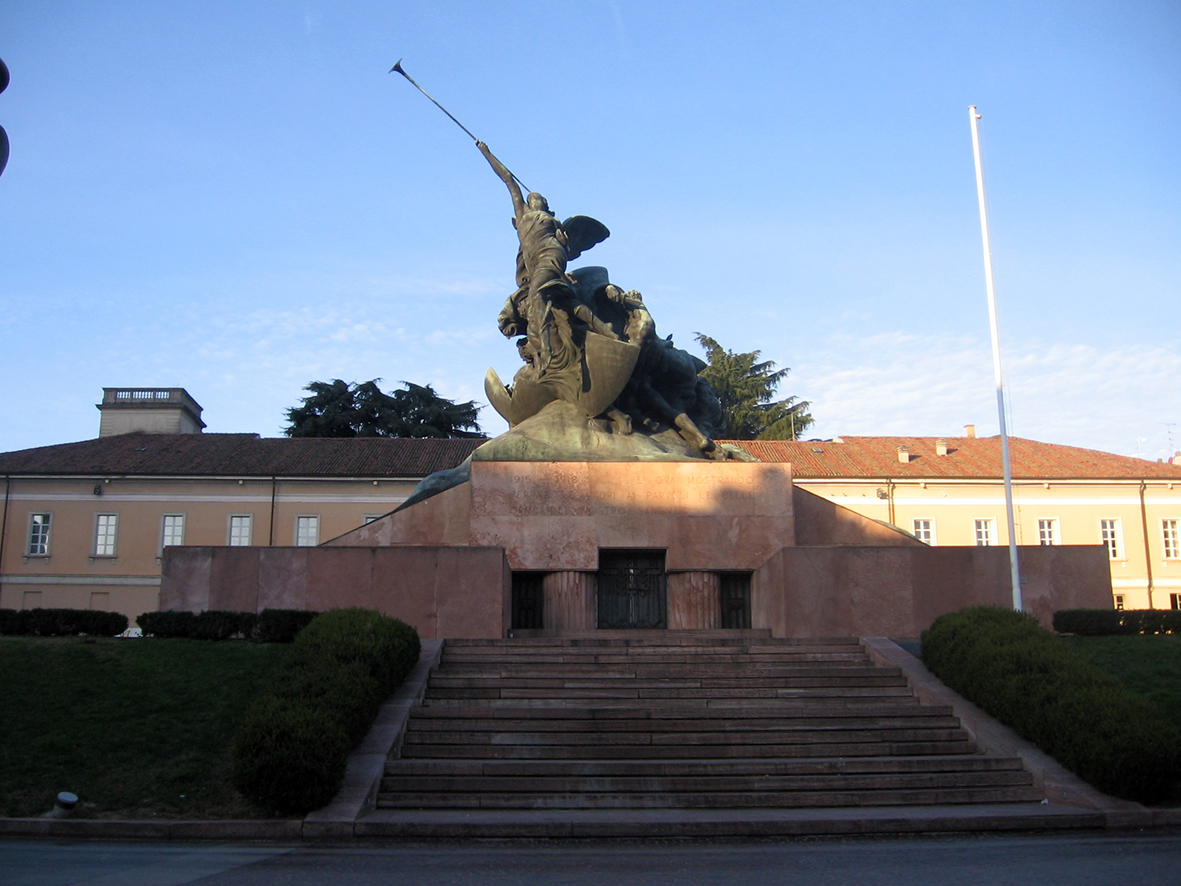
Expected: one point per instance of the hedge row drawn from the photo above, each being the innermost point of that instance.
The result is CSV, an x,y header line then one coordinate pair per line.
x,y
1030,680
269,626
1105,622
293,743
61,622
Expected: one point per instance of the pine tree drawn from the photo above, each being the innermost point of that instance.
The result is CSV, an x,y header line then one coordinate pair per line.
x,y
340,409
746,388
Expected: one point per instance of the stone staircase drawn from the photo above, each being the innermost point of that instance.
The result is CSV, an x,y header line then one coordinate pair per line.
x,y
639,722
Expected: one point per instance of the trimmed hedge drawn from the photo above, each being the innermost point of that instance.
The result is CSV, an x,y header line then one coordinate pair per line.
x,y
1086,719
292,746
1108,622
271,626
213,624
281,625
61,622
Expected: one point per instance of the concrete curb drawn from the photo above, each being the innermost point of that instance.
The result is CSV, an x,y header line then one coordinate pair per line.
x,y
1060,785
114,829
366,765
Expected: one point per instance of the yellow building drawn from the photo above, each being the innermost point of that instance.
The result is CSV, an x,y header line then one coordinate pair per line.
x,y
949,491
85,524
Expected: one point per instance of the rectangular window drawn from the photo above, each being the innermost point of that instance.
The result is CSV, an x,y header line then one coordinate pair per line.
x,y
924,531
307,531
1119,601
1047,532
1175,601
39,534
1172,546
105,527
1109,529
985,534
173,531
369,518
240,530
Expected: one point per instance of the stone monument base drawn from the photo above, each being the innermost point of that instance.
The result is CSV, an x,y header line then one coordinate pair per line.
x,y
553,548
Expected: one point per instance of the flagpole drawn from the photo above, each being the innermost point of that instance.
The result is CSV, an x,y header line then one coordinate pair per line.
x,y
1014,566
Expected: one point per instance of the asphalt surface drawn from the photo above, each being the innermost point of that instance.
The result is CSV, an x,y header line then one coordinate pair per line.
x,y
1150,859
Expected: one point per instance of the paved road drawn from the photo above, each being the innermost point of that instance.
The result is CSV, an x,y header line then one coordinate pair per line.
x,y
1072,860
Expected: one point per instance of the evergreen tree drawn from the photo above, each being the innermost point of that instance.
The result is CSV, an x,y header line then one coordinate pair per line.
x,y
340,409
746,388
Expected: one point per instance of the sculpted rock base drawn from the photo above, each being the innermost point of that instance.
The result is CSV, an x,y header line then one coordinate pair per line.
x,y
561,432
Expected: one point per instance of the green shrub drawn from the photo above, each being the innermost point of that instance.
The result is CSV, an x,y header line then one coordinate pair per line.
x,y
1109,622
347,691
61,622
388,646
282,625
289,755
341,667
1028,679
13,622
169,623
1090,622
213,624
217,624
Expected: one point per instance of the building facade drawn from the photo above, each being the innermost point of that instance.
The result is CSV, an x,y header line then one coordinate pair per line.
x,y
950,491
85,524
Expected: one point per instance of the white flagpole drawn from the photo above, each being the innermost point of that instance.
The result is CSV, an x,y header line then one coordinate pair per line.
x,y
1014,566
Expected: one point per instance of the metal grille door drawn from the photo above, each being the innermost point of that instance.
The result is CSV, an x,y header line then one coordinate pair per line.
x,y
633,589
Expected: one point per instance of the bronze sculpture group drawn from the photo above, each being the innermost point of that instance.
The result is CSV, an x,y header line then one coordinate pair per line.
x,y
587,342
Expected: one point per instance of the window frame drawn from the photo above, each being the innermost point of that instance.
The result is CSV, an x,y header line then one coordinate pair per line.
x,y
105,545
988,539
1115,542
1171,538
164,542
47,535
299,518
249,518
1055,532
929,530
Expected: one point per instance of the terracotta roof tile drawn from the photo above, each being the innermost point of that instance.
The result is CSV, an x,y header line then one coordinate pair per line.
x,y
242,455
967,458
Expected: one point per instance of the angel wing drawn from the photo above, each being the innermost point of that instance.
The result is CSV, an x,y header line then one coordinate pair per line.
x,y
583,232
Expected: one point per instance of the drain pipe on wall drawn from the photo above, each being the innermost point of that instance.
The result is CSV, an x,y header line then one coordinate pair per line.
x,y
4,520
1147,552
271,532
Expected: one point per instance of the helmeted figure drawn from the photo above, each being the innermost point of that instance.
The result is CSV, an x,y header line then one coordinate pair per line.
x,y
587,341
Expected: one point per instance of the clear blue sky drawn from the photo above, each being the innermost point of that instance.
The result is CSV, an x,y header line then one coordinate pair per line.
x,y
237,198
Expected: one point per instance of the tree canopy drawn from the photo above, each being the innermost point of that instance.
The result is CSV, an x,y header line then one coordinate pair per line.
x,y
746,388
343,409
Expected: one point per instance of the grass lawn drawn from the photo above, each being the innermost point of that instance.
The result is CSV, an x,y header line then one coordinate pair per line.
x,y
137,728
1149,666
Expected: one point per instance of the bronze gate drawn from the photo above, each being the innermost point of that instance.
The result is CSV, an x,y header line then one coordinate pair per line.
x,y
633,589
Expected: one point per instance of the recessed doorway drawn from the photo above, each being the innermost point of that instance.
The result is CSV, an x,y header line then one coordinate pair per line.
x,y
632,589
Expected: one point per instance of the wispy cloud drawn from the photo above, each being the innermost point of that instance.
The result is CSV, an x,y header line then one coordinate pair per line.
x,y
1075,394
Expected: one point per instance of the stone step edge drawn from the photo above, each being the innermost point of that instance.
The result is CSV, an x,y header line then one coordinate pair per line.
x,y
655,823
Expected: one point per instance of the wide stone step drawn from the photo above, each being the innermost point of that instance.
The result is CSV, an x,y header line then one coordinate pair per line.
x,y
556,675
680,654
710,800
817,695
738,711
590,725
685,751
686,736
794,687
397,786
754,767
